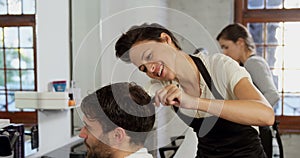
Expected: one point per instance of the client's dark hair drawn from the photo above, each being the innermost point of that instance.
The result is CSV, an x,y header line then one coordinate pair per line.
x,y
141,33
124,105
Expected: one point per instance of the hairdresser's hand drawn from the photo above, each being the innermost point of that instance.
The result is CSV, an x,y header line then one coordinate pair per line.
x,y
172,95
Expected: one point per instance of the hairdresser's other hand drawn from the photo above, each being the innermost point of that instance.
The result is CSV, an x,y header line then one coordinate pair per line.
x,y
172,95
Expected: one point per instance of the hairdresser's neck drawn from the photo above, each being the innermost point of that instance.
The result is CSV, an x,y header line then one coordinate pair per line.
x,y
187,74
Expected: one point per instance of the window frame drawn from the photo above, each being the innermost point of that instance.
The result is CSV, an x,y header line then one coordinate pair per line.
x,y
287,124
24,117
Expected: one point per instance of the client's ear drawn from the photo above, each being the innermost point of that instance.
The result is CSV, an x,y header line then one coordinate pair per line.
x,y
119,135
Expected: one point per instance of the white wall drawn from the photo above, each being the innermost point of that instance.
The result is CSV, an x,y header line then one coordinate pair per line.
x,y
52,19
200,21
212,14
52,42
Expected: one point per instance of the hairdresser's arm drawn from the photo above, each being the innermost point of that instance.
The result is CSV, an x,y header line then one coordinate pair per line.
x,y
251,108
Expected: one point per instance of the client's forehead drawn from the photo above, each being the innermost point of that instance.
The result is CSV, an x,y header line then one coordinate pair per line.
x,y
90,124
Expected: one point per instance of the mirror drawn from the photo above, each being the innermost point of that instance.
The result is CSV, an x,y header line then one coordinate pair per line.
x,y
84,43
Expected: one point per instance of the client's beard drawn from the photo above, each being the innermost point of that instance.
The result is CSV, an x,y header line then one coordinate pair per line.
x,y
99,150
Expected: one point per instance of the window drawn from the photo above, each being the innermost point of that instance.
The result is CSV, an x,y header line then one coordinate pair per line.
x,y
275,27
17,57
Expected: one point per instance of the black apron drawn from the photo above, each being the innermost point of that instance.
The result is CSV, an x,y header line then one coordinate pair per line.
x,y
219,138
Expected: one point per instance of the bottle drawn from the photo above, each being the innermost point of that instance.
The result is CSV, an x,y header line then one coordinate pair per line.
x,y
76,94
71,100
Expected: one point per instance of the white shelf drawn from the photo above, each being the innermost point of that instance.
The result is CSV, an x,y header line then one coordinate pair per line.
x,y
58,109
49,109
41,100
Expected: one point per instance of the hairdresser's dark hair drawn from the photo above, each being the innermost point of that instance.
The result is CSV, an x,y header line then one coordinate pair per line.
x,y
124,105
235,31
141,33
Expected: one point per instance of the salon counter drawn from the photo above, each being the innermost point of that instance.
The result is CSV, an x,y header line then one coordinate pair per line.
x,y
75,149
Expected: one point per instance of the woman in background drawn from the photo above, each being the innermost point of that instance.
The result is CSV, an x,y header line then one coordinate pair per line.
x,y
236,42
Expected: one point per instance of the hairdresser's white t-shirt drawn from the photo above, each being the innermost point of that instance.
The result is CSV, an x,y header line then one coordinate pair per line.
x,y
225,73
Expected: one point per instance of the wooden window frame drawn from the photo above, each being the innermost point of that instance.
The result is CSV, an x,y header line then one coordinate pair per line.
x,y
27,118
288,124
